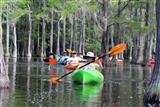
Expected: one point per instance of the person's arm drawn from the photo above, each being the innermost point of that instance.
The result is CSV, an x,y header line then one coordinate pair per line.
x,y
99,63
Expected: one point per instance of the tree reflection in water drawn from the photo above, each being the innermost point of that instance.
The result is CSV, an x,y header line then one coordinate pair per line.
x,y
124,86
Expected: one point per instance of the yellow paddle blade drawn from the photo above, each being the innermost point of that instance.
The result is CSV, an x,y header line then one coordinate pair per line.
x,y
69,50
54,80
117,49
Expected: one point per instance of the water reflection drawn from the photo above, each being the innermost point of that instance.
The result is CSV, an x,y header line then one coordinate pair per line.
x,y
87,92
123,86
13,80
4,93
4,96
28,80
14,75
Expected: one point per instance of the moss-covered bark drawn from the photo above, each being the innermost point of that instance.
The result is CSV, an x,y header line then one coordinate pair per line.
x,y
4,79
152,93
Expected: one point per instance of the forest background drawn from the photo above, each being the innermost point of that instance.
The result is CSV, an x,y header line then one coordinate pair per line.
x,y
36,27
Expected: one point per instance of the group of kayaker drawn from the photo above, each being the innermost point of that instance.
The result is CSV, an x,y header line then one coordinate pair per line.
x,y
77,60
88,72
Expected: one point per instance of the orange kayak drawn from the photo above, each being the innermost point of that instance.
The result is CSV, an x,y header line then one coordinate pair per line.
x,y
117,61
72,65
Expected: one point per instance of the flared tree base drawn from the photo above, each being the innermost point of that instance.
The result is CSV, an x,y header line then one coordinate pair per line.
x,y
151,100
4,81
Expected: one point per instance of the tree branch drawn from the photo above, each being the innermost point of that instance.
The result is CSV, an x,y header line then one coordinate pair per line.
x,y
120,12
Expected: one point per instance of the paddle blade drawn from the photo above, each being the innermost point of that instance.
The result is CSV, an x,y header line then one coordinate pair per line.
x,y
54,80
69,50
117,49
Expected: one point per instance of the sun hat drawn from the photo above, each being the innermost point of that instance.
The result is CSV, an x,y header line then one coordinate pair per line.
x,y
74,52
89,55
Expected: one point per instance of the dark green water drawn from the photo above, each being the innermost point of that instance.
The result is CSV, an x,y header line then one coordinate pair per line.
x,y
123,86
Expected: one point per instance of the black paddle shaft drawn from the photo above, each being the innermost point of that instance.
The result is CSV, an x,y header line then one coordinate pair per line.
x,y
80,67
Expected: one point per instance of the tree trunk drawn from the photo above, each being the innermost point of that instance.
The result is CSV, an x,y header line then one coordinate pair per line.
x,y
71,40
118,32
30,33
112,34
51,35
151,45
134,51
38,43
152,93
141,40
7,37
103,42
4,79
155,40
130,53
14,41
138,41
64,34
43,51
146,52
58,36
81,37
74,33
43,37
105,28
140,48
83,30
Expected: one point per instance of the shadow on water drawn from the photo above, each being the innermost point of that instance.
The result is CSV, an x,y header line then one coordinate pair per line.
x,y
123,86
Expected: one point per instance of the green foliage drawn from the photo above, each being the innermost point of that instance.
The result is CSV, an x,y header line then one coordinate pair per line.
x,y
2,4
116,1
119,20
137,27
18,13
128,20
70,8
43,15
138,3
91,6
93,45
127,39
55,5
52,3
93,38
23,3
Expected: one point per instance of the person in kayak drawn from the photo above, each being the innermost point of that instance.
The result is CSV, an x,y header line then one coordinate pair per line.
x,y
97,65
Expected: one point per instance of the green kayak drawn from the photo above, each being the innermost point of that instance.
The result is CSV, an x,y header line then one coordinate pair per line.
x,y
87,76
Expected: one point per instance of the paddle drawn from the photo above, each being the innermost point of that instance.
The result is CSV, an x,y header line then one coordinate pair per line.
x,y
115,50
69,51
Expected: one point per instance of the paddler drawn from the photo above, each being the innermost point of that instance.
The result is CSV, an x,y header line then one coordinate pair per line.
x,y
97,65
